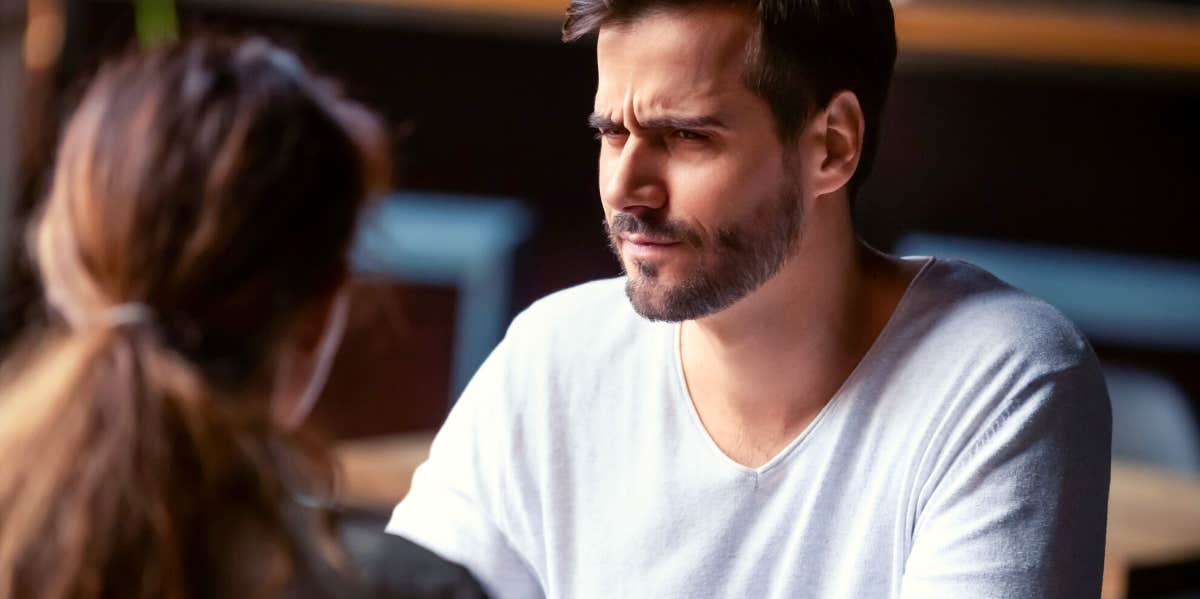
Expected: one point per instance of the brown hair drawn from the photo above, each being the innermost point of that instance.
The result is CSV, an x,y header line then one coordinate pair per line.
x,y
804,52
214,186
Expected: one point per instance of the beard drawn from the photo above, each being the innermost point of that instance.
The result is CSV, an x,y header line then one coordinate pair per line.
x,y
739,258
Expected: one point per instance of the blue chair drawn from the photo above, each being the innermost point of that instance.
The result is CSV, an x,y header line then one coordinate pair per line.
x,y
466,242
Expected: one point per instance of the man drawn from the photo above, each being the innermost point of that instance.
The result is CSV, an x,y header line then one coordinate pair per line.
x,y
764,406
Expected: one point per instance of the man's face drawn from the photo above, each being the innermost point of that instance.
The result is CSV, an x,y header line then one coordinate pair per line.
x,y
698,201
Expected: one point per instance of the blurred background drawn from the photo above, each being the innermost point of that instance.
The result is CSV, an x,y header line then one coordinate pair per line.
x,y
1054,143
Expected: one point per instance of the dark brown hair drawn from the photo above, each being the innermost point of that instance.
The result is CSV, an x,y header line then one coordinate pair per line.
x,y
215,187
803,53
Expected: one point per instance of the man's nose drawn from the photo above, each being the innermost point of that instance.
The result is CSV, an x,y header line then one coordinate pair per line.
x,y
635,183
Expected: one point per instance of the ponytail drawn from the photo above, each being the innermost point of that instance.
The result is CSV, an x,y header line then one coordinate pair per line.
x,y
122,475
219,184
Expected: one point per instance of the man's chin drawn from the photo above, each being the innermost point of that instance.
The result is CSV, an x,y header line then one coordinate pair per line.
x,y
676,299
646,307
652,299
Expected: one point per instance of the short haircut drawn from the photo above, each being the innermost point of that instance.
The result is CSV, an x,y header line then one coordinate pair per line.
x,y
804,52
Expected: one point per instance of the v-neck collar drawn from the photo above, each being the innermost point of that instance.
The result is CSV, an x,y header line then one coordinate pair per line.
x,y
858,372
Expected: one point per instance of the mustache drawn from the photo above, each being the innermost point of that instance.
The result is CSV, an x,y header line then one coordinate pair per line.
x,y
627,223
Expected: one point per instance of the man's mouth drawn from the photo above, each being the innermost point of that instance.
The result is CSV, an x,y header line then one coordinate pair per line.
x,y
647,240
644,247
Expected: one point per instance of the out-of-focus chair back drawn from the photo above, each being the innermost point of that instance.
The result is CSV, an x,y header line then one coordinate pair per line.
x,y
465,242
1152,420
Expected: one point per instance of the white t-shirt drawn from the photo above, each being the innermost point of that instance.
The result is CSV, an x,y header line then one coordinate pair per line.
x,y
966,457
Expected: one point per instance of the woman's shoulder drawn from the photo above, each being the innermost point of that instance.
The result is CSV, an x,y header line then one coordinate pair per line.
x,y
392,567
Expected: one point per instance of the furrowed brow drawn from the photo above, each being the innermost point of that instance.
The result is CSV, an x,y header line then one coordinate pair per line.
x,y
683,122
599,121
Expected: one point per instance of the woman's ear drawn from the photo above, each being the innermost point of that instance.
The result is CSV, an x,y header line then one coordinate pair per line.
x,y
838,138
312,320
307,357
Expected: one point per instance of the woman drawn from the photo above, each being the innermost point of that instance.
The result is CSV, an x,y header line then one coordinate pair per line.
x,y
193,248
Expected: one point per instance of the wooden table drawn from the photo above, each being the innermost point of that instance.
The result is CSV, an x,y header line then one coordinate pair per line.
x,y
376,473
1153,516
1153,520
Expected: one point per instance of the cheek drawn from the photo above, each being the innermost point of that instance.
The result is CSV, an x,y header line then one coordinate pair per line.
x,y
721,191
605,171
607,211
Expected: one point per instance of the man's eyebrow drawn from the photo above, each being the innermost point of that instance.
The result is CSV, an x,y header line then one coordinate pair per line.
x,y
598,121
683,122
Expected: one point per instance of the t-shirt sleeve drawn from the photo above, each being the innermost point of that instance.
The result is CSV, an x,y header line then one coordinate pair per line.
x,y
1021,512
453,507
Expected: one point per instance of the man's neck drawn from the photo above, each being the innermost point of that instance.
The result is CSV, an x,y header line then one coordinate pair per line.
x,y
761,370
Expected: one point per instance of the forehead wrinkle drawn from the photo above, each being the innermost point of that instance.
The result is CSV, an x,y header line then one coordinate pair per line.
x,y
660,69
666,106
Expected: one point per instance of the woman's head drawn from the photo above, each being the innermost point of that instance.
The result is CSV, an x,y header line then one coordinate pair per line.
x,y
217,184
193,244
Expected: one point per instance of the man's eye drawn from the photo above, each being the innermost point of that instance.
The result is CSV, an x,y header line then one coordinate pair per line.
x,y
686,135
608,132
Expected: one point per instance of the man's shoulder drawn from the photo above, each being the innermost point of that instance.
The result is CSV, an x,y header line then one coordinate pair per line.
x,y
983,356
964,307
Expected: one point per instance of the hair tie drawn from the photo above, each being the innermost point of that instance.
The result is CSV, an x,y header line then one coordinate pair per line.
x,y
127,314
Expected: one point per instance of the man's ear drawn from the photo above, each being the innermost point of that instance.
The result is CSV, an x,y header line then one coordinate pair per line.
x,y
838,135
